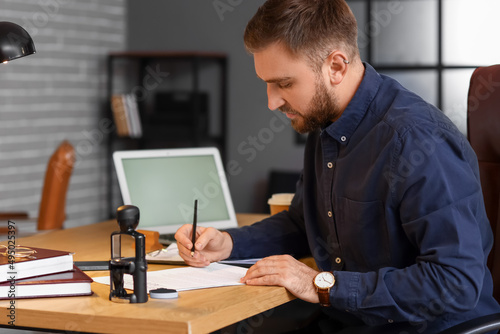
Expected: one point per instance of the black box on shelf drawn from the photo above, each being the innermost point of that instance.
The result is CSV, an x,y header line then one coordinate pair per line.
x,y
180,107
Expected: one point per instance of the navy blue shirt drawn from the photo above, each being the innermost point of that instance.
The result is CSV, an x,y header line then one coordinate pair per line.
x,y
389,201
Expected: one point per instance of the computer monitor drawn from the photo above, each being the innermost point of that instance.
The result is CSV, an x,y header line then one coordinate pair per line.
x,y
164,183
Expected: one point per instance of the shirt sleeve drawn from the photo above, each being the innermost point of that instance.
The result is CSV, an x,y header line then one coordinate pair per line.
x,y
283,233
436,193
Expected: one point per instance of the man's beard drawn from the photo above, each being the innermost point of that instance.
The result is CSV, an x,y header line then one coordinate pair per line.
x,y
322,110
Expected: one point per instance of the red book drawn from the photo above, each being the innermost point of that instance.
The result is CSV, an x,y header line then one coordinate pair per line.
x,y
40,261
69,283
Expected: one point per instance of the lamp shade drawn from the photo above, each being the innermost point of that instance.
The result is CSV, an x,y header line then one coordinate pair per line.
x,y
15,42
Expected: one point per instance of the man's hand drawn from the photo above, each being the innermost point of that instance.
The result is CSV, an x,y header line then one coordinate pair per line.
x,y
286,271
211,245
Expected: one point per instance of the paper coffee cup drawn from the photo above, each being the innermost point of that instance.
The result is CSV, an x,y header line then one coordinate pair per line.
x,y
279,202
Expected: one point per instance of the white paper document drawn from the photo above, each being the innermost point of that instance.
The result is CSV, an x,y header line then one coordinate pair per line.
x,y
187,278
170,255
166,255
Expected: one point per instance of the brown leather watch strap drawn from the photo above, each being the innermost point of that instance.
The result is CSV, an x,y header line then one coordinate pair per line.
x,y
324,297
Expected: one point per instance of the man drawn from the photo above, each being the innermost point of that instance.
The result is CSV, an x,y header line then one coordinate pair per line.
x,y
389,203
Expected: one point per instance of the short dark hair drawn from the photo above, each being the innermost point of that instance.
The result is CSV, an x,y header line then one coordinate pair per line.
x,y
312,28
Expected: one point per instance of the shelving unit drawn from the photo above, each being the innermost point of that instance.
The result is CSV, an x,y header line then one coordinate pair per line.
x,y
181,99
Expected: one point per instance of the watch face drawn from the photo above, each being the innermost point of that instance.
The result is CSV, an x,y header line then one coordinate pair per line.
x,y
324,280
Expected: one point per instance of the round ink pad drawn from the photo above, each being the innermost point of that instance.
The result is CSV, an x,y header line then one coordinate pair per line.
x,y
163,293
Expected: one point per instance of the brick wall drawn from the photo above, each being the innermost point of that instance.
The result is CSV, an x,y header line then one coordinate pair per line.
x,y
57,94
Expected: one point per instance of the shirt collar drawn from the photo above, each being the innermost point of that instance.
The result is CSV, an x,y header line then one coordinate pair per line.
x,y
343,128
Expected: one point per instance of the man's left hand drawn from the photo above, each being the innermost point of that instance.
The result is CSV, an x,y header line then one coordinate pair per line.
x,y
286,271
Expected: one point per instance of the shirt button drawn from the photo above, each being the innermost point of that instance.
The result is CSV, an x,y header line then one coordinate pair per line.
x,y
343,138
330,214
390,321
330,165
338,260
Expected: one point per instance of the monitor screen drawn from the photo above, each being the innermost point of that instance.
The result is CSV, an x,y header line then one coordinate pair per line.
x,y
164,188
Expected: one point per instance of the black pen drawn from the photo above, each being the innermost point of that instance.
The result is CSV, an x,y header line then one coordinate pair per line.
x,y
194,225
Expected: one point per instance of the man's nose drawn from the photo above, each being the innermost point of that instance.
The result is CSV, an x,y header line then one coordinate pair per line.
x,y
274,99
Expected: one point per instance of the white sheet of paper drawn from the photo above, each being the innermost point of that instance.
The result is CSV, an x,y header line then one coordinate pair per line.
x,y
187,278
171,255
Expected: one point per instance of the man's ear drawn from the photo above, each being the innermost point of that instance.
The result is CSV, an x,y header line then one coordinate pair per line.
x,y
336,65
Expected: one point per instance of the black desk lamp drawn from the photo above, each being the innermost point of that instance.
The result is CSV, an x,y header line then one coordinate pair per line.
x,y
15,42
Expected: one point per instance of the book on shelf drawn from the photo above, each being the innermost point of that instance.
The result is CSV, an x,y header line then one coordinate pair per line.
x,y
133,116
64,284
120,115
126,115
23,262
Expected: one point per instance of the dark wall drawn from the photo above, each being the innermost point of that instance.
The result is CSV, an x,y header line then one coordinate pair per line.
x,y
258,139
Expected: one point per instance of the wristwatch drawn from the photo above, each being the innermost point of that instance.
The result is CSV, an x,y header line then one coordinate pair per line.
x,y
324,281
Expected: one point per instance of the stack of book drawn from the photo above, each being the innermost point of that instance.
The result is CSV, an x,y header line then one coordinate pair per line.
x,y
38,272
126,115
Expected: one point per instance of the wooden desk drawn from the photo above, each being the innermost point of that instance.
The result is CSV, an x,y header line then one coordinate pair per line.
x,y
196,311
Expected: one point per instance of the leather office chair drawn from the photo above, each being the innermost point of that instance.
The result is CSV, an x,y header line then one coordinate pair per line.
x,y
52,211
483,131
